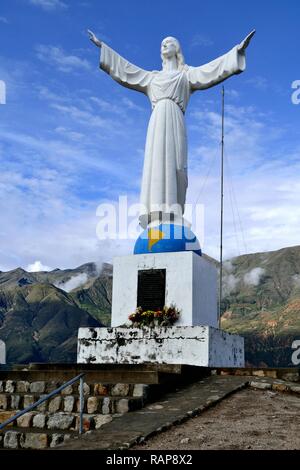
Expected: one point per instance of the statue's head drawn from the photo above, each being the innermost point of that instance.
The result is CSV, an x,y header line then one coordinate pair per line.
x,y
170,47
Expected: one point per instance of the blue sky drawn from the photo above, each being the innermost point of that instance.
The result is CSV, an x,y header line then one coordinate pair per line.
x,y
71,138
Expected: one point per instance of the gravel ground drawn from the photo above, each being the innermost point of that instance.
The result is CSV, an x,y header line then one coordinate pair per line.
x,y
249,419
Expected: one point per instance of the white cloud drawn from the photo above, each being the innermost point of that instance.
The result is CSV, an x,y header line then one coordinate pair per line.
x,y
82,116
72,135
232,93
37,266
56,56
253,277
106,106
49,5
296,280
261,165
109,107
201,40
60,154
73,283
228,266
259,82
229,283
46,94
46,214
131,105
109,125
52,227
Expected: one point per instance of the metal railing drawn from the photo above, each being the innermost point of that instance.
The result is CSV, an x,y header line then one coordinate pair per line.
x,y
50,395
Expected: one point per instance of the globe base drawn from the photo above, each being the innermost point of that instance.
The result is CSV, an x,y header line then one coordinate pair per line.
x,y
166,238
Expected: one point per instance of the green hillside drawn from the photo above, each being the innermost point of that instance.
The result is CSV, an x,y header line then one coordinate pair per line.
x,y
262,303
96,298
39,323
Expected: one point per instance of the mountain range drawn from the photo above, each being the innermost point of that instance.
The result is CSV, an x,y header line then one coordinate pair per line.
x,y
40,312
262,303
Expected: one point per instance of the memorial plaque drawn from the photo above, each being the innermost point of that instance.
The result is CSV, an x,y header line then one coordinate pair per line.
x,y
151,289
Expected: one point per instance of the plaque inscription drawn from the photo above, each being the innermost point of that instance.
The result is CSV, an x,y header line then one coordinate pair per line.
x,y
151,289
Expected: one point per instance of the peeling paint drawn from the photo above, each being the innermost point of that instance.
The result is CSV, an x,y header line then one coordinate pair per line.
x,y
91,359
198,345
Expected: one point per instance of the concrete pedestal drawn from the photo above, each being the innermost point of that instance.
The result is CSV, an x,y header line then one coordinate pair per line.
x,y
191,285
198,346
184,279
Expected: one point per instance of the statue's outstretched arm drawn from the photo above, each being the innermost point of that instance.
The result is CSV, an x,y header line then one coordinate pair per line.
x,y
94,38
122,71
218,70
245,43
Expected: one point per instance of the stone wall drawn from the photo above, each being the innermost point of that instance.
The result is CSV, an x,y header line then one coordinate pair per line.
x,y
57,420
291,374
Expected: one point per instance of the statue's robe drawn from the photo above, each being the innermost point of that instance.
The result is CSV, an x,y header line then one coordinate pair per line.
x,y
165,179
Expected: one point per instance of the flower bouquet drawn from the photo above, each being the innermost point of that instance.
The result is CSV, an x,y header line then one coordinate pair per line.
x,y
165,317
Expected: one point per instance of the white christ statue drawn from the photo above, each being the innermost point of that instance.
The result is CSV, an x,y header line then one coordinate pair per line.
x,y
165,181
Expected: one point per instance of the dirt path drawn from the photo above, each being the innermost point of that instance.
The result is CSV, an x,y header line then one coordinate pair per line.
x,y
249,419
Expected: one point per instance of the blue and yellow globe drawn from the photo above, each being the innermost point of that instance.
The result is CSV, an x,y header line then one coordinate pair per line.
x,y
166,238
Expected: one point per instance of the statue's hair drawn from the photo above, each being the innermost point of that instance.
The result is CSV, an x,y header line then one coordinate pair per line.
x,y
179,55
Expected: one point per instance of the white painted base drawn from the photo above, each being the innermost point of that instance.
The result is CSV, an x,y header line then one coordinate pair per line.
x,y
2,352
191,284
198,346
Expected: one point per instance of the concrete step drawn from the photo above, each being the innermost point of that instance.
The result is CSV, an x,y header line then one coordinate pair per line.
x,y
102,373
173,408
105,376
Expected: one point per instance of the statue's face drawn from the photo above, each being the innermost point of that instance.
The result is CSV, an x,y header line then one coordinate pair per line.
x,y
168,48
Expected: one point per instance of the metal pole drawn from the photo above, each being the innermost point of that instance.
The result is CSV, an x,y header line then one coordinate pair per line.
x,y
81,405
222,206
40,401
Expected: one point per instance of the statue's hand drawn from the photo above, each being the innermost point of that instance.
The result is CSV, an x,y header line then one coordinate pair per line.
x,y
245,43
94,38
